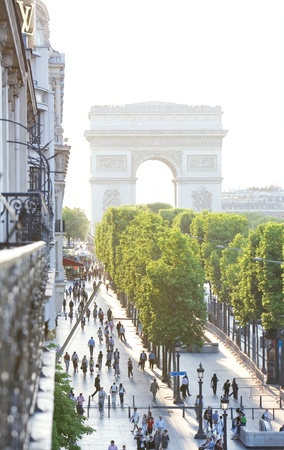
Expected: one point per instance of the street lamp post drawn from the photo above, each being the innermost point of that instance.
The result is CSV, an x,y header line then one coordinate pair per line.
x,y
225,404
200,433
178,400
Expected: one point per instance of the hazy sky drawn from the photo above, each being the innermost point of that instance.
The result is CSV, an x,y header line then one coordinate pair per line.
x,y
194,52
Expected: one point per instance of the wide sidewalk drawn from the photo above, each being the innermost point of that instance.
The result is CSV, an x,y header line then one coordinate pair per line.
x,y
181,429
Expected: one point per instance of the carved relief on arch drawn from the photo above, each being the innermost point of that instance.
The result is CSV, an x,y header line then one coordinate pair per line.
x,y
172,159
202,199
111,198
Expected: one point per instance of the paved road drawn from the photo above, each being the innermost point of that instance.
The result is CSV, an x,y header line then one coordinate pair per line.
x,y
182,430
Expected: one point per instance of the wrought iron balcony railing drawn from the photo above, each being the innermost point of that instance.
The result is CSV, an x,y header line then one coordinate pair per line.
x,y
30,222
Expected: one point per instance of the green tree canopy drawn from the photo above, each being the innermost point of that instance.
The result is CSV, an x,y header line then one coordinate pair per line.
x,y
161,275
77,224
172,304
138,247
156,207
214,232
183,220
108,235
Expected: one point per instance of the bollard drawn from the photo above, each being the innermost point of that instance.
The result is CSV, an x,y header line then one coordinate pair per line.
x,y
133,401
108,406
129,412
241,401
260,401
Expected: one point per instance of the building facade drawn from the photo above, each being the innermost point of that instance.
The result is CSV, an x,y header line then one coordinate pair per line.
x,y
268,201
188,139
33,165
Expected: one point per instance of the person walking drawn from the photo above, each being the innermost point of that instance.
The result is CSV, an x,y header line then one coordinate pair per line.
x,y
184,386
207,418
140,439
75,361
112,446
84,365
95,313
220,426
80,404
122,334
151,359
151,443
154,389
116,354
144,424
113,391
214,382
235,389
121,392
97,385
143,358
150,424
165,439
100,360
116,368
110,344
92,365
102,396
100,335
91,345
215,420
111,325
157,439
130,368
109,314
134,419
83,322
108,359
160,425
226,388
119,324
67,361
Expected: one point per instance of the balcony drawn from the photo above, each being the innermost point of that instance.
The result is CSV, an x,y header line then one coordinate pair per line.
x,y
24,219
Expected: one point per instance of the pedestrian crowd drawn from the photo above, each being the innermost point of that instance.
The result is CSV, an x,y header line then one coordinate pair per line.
x,y
150,434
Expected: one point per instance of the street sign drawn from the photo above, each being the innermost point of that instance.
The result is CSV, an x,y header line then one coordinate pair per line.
x,y
177,374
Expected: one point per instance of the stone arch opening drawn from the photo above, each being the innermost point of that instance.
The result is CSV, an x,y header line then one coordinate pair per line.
x,y
155,182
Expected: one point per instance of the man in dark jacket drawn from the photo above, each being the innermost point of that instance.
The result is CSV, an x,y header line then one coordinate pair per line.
x,y
97,385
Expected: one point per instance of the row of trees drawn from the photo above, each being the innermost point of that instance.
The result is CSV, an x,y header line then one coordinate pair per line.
x,y
154,264
162,259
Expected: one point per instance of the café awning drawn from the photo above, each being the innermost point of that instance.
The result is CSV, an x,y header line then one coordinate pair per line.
x,y
71,262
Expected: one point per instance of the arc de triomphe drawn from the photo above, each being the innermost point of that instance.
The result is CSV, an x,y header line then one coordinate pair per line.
x,y
186,138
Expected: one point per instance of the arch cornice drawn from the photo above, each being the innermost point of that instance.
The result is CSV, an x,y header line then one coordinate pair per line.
x,y
155,140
